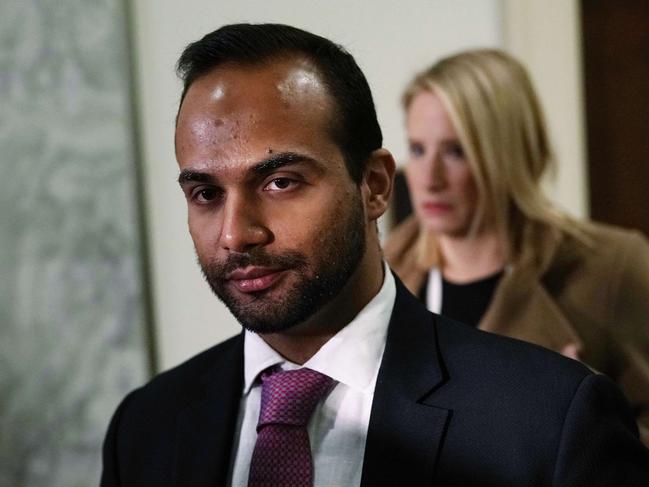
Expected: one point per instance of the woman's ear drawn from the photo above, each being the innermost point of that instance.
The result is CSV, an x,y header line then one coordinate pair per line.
x,y
377,183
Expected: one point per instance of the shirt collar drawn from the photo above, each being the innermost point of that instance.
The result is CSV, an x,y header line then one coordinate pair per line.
x,y
352,356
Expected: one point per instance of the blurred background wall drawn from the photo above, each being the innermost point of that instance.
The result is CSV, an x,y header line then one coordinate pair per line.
x,y
99,286
72,300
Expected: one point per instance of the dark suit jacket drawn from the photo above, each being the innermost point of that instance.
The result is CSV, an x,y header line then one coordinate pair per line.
x,y
453,406
561,292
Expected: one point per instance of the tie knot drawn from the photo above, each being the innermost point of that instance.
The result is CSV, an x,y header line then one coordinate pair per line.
x,y
290,397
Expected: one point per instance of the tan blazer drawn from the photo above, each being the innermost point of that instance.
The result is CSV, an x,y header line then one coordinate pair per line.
x,y
594,298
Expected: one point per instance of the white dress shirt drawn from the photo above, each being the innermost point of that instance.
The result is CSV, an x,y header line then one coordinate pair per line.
x,y
338,427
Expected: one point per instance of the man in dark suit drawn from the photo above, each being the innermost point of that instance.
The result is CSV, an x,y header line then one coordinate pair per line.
x,y
282,167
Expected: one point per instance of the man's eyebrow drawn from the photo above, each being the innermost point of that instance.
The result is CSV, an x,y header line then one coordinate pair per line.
x,y
191,175
267,165
279,160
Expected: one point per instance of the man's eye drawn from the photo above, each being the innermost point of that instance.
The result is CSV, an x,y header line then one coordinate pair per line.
x,y
279,184
206,195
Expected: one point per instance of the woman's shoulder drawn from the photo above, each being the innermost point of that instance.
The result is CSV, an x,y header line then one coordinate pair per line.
x,y
593,253
608,241
604,254
401,254
402,239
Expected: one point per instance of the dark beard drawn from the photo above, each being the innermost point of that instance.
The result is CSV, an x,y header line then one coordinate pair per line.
x,y
319,281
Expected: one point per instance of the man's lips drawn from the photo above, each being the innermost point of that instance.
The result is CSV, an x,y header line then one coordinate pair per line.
x,y
254,279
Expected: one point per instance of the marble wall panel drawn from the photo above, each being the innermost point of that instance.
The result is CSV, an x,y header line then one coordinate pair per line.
x,y
72,318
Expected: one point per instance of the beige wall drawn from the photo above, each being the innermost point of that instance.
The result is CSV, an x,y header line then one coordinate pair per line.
x,y
391,40
545,34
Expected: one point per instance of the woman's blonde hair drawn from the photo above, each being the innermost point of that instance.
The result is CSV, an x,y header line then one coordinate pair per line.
x,y
492,104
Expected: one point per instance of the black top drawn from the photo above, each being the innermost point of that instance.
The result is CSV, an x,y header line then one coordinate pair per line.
x,y
467,302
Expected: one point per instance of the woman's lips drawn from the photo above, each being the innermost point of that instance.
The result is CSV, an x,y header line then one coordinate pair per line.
x,y
254,279
435,208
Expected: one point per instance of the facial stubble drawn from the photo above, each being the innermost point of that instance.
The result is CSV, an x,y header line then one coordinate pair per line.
x,y
316,280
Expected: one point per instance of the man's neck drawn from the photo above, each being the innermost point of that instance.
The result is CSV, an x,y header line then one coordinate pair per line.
x,y
303,341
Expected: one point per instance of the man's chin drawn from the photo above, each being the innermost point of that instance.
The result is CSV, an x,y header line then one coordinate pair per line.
x,y
274,310
263,321
263,328
259,312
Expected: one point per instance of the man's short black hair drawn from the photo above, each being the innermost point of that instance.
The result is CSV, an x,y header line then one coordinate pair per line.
x,y
355,127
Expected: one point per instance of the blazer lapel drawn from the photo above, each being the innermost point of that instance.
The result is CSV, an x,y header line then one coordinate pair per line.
x,y
405,430
522,308
205,428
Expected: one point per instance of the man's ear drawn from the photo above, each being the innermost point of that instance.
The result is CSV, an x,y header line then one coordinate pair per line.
x,y
377,183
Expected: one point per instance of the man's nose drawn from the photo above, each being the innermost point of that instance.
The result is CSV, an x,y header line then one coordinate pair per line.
x,y
243,228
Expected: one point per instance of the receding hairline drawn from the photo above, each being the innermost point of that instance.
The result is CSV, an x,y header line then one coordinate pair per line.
x,y
354,126
251,66
297,56
333,107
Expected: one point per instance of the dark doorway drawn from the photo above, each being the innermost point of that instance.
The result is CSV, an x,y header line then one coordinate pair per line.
x,y
616,74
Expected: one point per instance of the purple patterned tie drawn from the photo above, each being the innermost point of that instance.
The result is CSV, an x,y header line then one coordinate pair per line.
x,y
282,454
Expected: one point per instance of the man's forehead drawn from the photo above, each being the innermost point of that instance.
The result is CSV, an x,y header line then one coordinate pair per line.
x,y
288,81
302,79
280,101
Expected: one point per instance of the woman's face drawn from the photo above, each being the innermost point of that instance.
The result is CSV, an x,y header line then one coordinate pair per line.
x,y
442,188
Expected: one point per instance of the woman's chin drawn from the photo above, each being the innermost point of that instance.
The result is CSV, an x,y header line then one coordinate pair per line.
x,y
443,227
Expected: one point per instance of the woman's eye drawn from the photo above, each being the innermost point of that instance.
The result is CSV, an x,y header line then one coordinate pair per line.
x,y
455,151
416,150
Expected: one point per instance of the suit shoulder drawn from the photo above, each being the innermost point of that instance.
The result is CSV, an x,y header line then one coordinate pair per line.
x,y
479,352
183,379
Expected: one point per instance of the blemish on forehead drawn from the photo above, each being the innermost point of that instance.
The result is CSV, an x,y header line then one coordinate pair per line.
x,y
270,151
235,130
204,127
204,123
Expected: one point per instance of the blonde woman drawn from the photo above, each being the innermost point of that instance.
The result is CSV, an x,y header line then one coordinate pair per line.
x,y
486,247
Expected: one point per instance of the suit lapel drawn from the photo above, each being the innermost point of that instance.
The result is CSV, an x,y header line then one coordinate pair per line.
x,y
205,428
405,431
